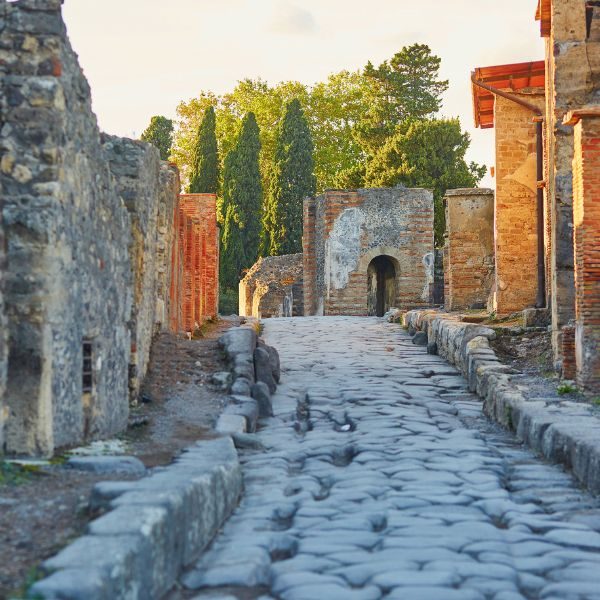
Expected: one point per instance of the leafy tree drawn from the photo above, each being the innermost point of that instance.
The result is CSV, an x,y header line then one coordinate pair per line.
x,y
204,178
426,153
241,204
292,180
160,134
405,87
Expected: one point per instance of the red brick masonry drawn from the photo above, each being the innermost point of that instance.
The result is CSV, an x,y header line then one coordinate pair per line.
x,y
195,280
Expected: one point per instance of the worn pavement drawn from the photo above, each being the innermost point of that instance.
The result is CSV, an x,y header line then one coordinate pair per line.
x,y
383,480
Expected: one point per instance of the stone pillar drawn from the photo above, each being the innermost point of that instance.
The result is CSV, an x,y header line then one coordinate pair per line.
x,y
586,237
515,209
309,256
567,85
469,252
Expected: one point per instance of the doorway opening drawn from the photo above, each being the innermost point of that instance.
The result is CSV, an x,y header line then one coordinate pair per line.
x,y
381,286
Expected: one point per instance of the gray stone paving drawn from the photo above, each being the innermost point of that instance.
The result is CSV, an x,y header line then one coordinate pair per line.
x,y
383,480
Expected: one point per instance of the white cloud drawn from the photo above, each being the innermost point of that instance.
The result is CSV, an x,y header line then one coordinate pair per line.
x,y
288,18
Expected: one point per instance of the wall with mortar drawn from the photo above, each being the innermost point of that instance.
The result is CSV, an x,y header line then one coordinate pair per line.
x,y
586,234
469,252
67,234
515,211
572,81
273,288
91,242
344,230
136,168
199,233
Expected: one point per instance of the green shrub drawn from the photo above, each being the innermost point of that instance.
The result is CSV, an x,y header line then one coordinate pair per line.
x,y
228,302
566,388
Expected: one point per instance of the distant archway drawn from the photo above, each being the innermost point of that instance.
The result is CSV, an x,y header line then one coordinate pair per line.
x,y
381,285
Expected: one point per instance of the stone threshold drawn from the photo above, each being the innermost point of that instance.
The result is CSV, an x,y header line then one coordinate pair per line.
x,y
563,432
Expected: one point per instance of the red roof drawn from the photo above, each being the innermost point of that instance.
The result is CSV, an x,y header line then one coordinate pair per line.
x,y
507,78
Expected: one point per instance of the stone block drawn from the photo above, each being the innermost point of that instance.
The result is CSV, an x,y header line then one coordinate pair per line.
x,y
262,395
536,317
108,464
263,368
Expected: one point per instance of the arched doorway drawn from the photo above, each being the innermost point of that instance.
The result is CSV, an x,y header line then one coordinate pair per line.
x,y
381,285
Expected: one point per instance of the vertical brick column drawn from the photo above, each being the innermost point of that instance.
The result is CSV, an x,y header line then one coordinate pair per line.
x,y
309,256
469,267
515,210
586,239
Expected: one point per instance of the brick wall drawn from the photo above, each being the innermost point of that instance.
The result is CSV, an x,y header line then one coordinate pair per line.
x,y
586,236
198,250
469,248
349,229
515,208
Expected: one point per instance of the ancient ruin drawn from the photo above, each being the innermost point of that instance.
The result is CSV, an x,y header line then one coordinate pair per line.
x,y
273,288
366,251
96,247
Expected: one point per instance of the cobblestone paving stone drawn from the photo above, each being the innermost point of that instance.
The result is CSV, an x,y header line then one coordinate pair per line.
x,y
383,480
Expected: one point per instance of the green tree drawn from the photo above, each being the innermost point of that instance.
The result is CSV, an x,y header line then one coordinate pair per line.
x,y
160,134
405,87
241,204
204,178
426,153
292,180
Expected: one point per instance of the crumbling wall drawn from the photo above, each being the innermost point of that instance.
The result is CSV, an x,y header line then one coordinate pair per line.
x,y
3,334
67,233
469,248
137,169
273,287
345,230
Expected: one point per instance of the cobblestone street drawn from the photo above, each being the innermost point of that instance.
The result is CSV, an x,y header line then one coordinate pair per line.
x,y
382,479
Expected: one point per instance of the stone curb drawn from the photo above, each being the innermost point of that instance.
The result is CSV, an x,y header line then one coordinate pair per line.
x,y
563,432
255,371
154,527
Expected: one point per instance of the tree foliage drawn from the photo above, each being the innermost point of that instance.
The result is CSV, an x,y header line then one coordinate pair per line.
x,y
362,123
159,133
204,178
292,180
241,204
427,153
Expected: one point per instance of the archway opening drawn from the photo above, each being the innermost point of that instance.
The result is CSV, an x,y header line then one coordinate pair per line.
x,y
381,285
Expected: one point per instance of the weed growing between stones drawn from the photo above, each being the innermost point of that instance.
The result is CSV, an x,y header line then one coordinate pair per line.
x,y
12,474
566,388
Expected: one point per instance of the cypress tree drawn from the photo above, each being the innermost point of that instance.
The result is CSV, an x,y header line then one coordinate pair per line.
x,y
241,205
204,178
292,179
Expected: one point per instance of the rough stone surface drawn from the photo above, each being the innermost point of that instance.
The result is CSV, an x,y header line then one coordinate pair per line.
x,y
156,526
273,288
262,394
346,234
264,369
562,431
108,464
397,487
469,248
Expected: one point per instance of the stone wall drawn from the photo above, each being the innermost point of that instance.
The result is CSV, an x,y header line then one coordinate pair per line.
x,y
273,288
515,212
345,234
67,233
586,234
200,255
94,259
469,252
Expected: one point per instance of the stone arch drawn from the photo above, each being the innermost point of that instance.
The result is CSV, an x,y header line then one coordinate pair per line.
x,y
381,267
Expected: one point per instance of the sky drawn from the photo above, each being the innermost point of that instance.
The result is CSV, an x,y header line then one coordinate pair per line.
x,y
142,57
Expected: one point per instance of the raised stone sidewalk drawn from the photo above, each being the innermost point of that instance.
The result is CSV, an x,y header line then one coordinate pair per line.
x,y
562,431
154,527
